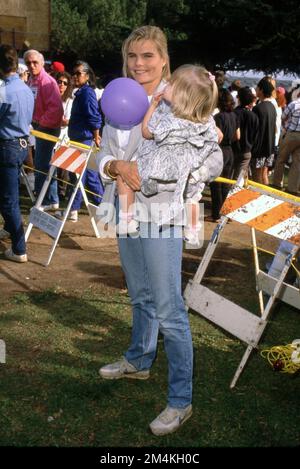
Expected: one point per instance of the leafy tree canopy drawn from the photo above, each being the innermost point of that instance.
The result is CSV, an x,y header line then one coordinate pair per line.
x,y
259,34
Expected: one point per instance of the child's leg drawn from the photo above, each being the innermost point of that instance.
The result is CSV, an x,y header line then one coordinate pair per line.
x,y
127,224
192,229
193,213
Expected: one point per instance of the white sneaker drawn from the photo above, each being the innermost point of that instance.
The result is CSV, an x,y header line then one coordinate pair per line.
x,y
122,369
11,256
191,236
46,208
73,215
125,227
4,234
170,420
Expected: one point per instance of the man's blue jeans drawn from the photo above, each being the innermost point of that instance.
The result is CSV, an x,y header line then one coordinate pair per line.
x,y
152,267
12,156
43,154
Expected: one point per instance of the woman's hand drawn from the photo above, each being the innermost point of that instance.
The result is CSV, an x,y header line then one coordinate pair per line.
x,y
97,140
129,173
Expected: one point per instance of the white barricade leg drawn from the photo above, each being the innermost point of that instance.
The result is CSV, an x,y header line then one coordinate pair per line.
x,y
93,221
40,198
256,266
64,219
210,250
28,187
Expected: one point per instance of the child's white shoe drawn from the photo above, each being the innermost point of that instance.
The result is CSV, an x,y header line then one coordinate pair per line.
x,y
191,237
127,227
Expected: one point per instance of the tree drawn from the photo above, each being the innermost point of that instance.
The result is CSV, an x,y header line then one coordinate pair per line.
x,y
70,32
259,34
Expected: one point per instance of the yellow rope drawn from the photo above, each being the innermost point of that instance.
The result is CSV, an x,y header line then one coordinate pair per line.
x,y
284,358
51,138
248,182
46,136
61,180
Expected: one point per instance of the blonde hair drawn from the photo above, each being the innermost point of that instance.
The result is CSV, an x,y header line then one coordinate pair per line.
x,y
194,93
150,33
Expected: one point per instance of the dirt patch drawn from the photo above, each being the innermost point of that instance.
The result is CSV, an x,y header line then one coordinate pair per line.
x,y
81,261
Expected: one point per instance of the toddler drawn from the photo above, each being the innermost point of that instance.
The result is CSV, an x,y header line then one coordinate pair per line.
x,y
180,134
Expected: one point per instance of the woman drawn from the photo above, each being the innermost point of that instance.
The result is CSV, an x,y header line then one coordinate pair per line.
x,y
152,265
65,89
84,127
249,128
227,122
262,158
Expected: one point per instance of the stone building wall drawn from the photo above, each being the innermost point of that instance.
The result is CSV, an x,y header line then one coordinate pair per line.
x,y
25,21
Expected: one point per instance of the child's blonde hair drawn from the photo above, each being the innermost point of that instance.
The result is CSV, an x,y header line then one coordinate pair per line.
x,y
153,34
194,93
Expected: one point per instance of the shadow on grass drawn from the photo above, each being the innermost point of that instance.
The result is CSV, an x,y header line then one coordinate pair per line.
x,y
109,275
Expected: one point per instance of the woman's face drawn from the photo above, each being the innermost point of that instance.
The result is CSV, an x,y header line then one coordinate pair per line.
x,y
62,84
145,64
79,76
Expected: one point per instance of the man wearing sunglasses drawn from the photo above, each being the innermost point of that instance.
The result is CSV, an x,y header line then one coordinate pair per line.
x,y
47,116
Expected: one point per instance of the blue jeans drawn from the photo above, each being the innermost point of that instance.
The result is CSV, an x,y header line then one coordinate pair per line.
x,y
12,156
43,154
92,180
153,273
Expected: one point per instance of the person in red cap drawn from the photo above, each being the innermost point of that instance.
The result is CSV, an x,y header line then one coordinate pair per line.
x,y
57,67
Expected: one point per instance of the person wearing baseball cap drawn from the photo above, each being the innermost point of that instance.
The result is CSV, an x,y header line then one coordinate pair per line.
x,y
57,67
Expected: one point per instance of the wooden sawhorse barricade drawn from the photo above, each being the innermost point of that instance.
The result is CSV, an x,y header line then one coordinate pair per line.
x,y
73,157
271,212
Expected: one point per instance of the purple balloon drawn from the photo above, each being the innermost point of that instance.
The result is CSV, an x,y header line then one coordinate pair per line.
x,y
124,103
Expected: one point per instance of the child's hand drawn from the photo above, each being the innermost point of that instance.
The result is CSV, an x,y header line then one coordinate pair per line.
x,y
156,98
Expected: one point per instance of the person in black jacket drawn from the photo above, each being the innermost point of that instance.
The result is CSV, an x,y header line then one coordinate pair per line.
x,y
249,127
264,148
226,120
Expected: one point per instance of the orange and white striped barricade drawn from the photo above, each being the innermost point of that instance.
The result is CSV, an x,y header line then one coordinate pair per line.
x,y
74,158
274,213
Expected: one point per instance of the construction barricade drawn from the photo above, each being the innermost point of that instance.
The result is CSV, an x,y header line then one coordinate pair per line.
x,y
262,209
73,157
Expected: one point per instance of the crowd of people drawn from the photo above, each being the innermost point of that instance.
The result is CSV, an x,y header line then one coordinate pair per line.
x,y
195,129
260,135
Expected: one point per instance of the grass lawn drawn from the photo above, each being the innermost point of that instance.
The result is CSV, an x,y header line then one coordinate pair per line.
x,y
51,394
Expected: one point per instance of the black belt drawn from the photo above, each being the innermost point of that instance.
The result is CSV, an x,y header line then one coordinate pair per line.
x,y
23,141
24,137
